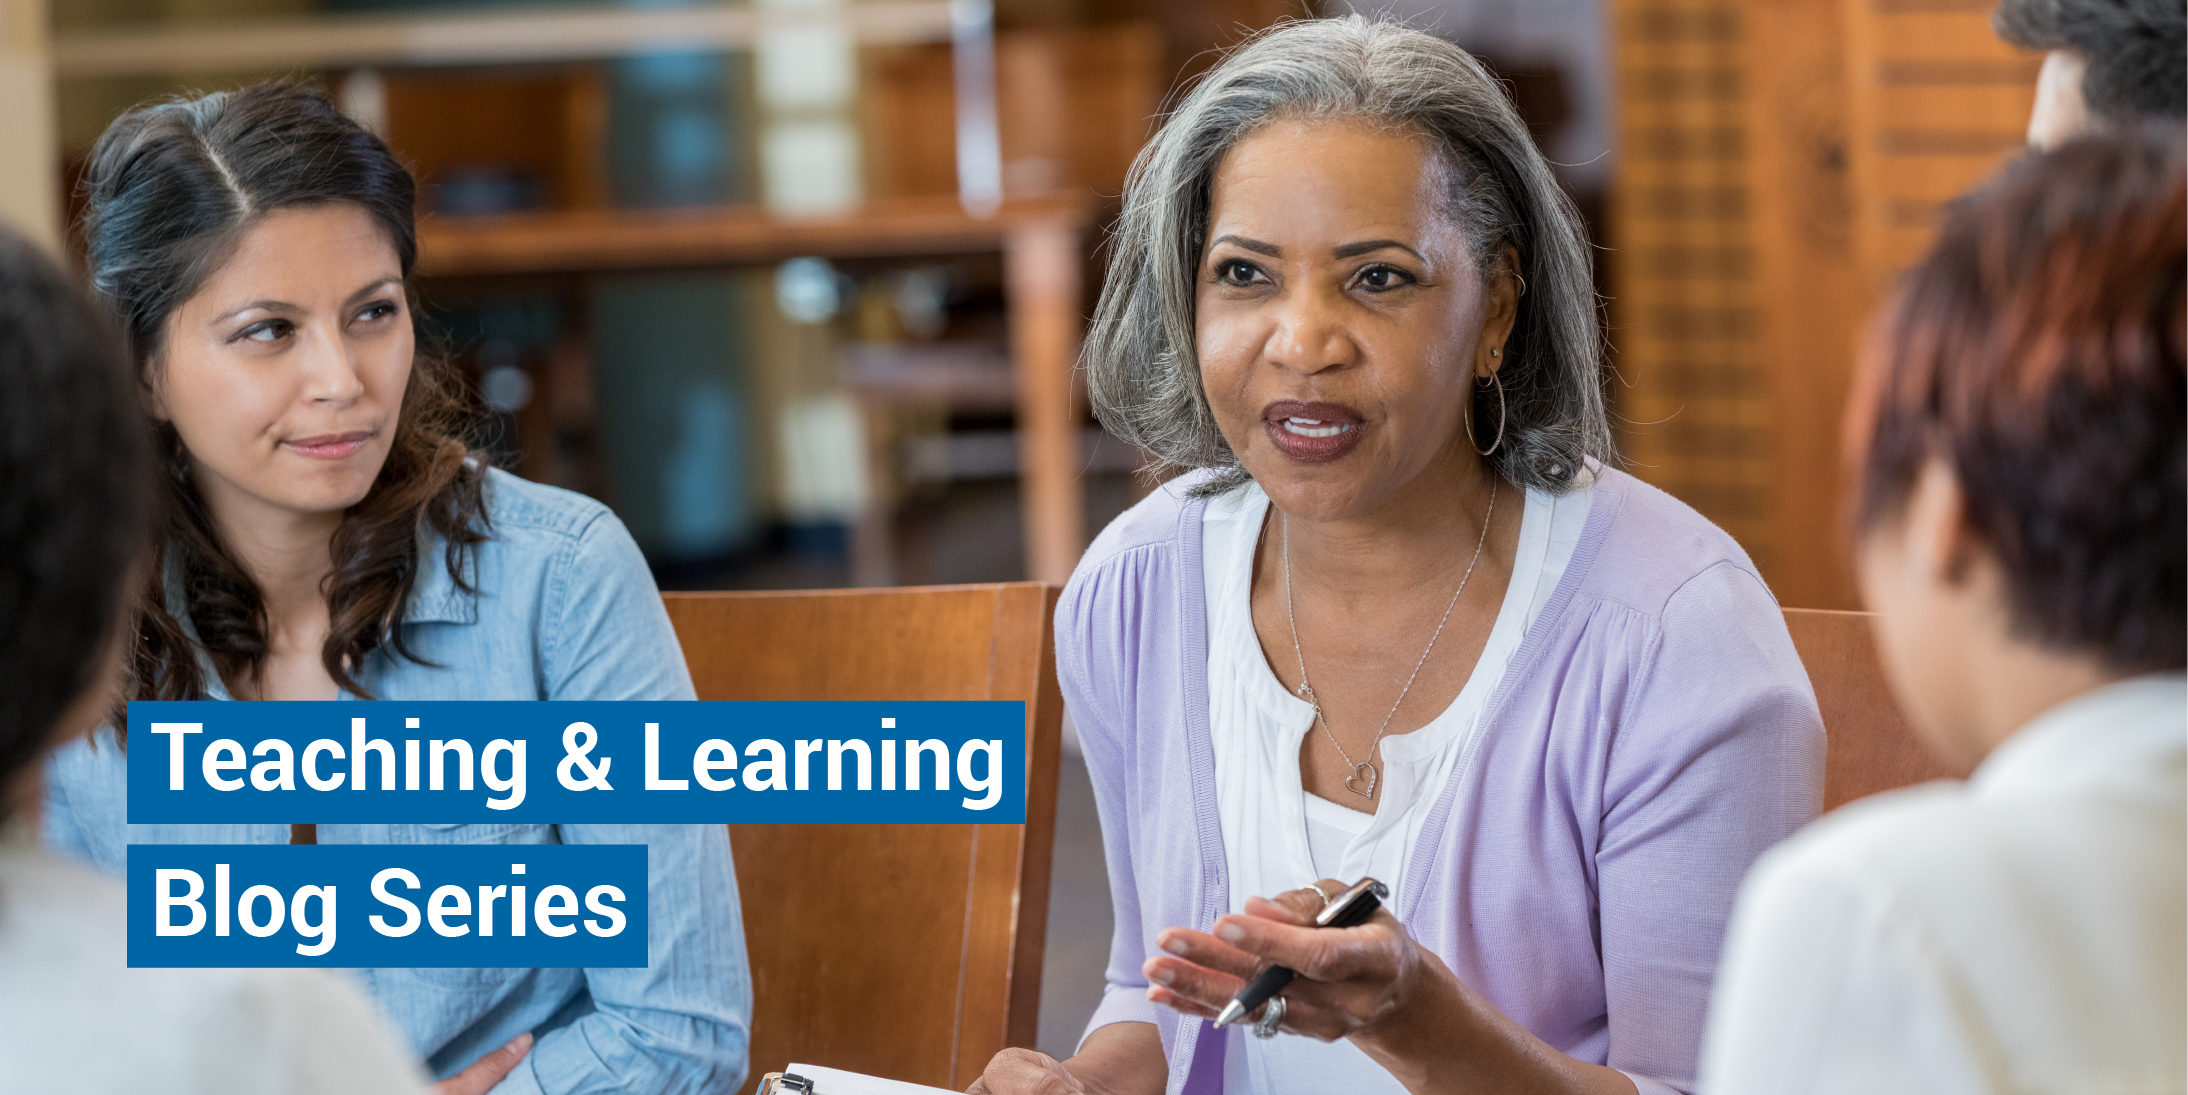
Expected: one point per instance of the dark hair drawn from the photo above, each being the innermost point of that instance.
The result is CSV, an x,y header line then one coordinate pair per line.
x,y
2038,351
169,189
2135,49
76,499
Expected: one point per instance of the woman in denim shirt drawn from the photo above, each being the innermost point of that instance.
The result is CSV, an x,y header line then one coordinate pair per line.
x,y
328,538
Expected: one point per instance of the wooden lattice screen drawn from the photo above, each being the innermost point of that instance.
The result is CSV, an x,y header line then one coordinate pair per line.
x,y
1779,161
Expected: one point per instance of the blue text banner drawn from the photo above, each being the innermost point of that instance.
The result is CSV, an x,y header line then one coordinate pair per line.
x,y
576,762
365,905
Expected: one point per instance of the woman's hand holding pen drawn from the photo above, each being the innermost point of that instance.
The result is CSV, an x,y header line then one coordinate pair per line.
x,y
1352,981
1371,984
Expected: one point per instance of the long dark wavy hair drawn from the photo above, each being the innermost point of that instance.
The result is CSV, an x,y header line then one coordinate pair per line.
x,y
169,189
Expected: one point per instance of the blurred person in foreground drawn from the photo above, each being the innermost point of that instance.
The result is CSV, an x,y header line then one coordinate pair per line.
x,y
326,534
1401,620
2106,62
2022,530
76,501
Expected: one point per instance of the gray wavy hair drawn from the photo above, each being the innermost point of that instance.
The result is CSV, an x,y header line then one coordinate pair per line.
x,y
1142,371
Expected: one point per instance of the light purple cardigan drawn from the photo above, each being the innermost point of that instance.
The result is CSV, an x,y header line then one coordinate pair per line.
x,y
1652,736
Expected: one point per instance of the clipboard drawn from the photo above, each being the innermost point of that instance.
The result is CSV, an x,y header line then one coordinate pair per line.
x,y
800,1079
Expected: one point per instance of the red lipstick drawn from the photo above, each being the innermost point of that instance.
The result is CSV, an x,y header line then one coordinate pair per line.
x,y
1312,433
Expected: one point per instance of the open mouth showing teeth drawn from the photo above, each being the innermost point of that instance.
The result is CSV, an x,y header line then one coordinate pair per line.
x,y
1314,427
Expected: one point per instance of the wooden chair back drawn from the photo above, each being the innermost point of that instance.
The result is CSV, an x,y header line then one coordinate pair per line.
x,y
906,951
1868,747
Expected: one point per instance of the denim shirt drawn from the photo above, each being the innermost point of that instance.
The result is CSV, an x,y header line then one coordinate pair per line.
x,y
565,609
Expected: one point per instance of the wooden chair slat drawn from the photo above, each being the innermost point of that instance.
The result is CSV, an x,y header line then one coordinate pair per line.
x,y
906,951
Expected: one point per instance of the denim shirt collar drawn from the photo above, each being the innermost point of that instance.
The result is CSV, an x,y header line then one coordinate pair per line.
x,y
434,598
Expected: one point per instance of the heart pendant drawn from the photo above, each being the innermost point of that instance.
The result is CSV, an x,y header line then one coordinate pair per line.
x,y
1363,770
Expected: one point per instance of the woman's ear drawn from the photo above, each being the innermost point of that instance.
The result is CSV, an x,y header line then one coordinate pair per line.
x,y
149,393
1942,546
1500,310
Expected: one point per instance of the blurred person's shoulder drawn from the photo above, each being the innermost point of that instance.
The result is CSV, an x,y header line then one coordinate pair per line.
x,y
1916,849
74,1017
2094,788
1879,844
2047,888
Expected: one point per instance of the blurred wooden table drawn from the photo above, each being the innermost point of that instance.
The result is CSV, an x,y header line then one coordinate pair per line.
x,y
1041,242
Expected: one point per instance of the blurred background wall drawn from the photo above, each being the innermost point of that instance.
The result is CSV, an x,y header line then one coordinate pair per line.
x,y
794,285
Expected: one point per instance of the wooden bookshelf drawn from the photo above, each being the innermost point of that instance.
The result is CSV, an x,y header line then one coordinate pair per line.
x,y
514,35
1041,241
635,239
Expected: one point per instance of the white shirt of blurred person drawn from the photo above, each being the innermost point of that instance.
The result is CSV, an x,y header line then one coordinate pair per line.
x,y
2021,513
75,494
75,1018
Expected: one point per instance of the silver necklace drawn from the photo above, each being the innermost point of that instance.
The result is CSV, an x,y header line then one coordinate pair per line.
x,y
1365,769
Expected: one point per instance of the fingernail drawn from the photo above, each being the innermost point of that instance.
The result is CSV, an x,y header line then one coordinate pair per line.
x,y
519,1043
1173,944
1230,933
1161,976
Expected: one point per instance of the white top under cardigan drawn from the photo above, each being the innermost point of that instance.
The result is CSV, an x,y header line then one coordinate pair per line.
x,y
1276,836
2020,932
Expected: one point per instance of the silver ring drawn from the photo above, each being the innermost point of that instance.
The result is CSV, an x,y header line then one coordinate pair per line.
x,y
1317,888
1272,1017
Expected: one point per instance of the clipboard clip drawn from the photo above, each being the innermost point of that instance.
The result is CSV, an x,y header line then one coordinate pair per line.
x,y
784,1083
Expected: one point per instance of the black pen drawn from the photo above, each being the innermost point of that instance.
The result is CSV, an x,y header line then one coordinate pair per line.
x,y
1346,910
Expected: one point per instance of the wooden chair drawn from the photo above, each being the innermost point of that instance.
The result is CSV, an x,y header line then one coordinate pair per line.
x,y
1868,747
906,951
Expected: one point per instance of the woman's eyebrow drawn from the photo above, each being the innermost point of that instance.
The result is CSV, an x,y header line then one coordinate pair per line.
x,y
266,305
374,287
1353,250
285,306
1256,246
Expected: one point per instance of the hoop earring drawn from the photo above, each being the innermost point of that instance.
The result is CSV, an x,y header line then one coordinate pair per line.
x,y
1493,445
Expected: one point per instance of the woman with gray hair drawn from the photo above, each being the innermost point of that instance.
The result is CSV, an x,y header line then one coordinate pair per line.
x,y
1401,620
